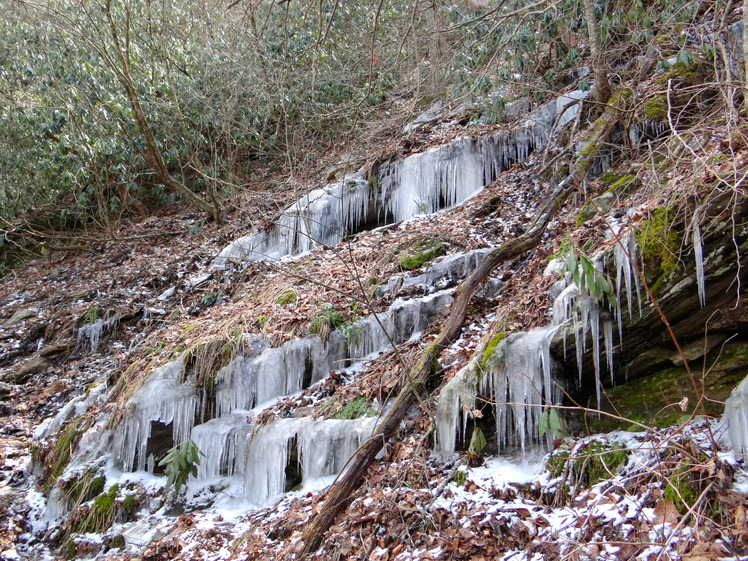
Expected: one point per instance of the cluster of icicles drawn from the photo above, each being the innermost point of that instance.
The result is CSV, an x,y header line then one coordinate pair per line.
x,y
518,379
422,183
251,456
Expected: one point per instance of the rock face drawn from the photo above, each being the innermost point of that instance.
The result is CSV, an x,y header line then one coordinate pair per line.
x,y
699,297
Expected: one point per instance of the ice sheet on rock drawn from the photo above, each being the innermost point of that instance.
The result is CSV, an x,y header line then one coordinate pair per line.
x,y
323,446
399,323
162,398
265,373
74,408
557,113
322,217
736,417
445,272
223,442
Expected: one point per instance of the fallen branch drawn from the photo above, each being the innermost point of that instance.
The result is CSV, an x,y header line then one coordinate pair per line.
x,y
426,367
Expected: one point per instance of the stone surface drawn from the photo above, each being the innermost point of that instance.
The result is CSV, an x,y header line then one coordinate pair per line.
x,y
19,317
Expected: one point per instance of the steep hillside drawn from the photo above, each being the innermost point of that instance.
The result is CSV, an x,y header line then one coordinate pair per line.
x,y
524,333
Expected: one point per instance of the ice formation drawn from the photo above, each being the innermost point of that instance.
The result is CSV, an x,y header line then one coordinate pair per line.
x,y
698,254
399,323
624,254
421,183
163,398
262,374
736,417
92,332
518,380
223,443
323,448
322,217
256,457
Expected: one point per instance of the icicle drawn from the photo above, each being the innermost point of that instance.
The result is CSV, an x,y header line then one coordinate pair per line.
x,y
698,253
608,337
460,391
324,447
223,442
267,457
595,328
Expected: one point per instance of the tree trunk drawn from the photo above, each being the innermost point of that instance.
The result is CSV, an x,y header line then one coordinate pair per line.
x,y
745,54
602,86
418,376
122,70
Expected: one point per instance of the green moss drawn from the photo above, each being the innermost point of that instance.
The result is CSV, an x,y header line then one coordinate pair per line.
x,y
659,244
585,213
655,108
625,185
359,407
287,298
423,252
100,515
260,321
680,490
589,464
71,549
117,542
63,449
490,349
129,506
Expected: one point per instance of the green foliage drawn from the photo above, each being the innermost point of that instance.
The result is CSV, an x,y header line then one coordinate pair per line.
x,y
326,320
212,299
477,442
551,419
289,297
181,462
588,278
422,252
92,315
460,477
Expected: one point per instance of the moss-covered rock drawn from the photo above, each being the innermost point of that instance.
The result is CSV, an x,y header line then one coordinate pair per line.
x,y
659,243
421,253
